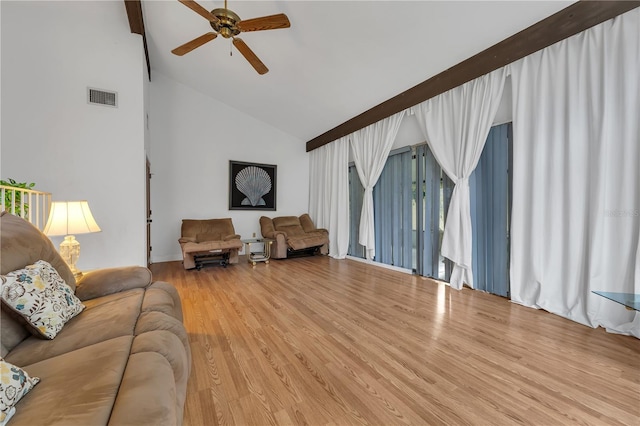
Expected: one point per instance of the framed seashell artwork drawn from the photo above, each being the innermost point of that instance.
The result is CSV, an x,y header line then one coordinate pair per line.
x,y
252,186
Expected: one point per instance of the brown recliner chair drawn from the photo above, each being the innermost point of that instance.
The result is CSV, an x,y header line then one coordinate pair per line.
x,y
294,235
206,241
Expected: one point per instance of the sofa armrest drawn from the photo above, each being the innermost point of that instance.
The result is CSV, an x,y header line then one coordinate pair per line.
x,y
274,234
231,237
307,223
183,240
279,247
107,281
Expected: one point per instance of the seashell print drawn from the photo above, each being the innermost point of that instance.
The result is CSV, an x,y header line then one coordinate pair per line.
x,y
253,182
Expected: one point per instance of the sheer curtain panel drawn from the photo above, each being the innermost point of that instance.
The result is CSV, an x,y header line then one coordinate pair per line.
x,y
329,193
456,124
371,146
576,181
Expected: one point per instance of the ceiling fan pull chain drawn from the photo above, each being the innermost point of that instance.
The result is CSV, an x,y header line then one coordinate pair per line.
x,y
230,47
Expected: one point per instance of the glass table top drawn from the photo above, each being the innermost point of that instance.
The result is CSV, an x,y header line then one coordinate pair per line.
x,y
256,240
630,300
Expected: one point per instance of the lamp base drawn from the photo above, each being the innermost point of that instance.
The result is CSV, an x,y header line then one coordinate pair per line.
x,y
70,252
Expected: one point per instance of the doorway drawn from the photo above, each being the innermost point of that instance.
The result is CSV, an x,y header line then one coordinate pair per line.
x,y
148,207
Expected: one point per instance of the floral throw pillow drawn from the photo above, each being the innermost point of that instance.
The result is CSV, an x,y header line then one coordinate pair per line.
x,y
14,384
41,297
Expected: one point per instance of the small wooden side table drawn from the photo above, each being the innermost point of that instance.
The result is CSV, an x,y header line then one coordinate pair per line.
x,y
258,256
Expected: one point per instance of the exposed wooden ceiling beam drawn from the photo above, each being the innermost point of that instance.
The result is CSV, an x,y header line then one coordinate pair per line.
x,y
569,21
136,24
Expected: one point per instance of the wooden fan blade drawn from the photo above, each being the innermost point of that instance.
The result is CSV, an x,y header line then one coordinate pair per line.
x,y
199,10
272,22
250,56
196,42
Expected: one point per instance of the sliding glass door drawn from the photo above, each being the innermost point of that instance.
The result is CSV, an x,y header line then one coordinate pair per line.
x,y
490,189
433,193
356,193
392,208
411,200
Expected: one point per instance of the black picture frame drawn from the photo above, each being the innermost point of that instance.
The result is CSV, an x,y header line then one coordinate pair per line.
x,y
252,186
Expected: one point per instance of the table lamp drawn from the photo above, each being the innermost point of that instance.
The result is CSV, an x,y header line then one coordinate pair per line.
x,y
68,218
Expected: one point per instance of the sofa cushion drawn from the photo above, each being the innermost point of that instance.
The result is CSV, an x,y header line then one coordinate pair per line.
x,y
39,295
153,321
78,388
266,227
209,236
193,227
104,318
279,223
156,299
15,383
208,246
171,292
103,282
310,239
135,404
22,244
307,223
167,344
292,230
12,332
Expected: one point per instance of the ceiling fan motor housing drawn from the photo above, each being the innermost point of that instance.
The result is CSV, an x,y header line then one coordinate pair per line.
x,y
226,25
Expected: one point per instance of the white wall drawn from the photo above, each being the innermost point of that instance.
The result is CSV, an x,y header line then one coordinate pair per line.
x,y
51,52
193,137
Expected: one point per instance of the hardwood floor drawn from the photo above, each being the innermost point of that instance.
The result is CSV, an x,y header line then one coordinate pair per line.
x,y
318,341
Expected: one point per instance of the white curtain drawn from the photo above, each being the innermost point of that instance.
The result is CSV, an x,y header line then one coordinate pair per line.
x,y
371,146
329,193
576,175
456,125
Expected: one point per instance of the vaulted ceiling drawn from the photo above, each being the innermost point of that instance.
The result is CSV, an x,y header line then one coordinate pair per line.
x,y
337,60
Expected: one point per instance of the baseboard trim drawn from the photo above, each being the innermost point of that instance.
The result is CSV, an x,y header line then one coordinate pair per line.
x,y
381,265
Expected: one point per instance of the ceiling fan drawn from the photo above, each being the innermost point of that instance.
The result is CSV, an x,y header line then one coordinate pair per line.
x,y
228,24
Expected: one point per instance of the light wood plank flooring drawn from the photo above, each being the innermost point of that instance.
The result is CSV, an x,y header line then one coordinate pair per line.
x,y
318,341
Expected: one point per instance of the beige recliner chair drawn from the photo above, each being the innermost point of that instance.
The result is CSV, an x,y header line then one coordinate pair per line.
x,y
294,235
206,241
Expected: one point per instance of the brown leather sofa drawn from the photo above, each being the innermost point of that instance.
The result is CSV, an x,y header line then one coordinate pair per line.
x,y
294,235
206,238
124,359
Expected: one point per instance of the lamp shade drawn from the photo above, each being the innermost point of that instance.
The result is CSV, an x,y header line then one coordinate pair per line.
x,y
70,217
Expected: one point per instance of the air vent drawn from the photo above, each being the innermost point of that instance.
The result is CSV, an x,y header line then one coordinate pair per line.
x,y
102,97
